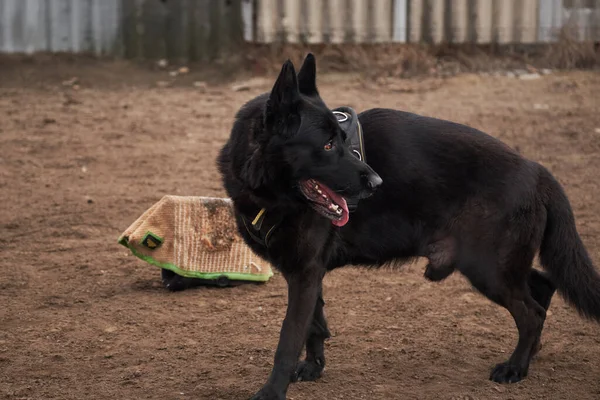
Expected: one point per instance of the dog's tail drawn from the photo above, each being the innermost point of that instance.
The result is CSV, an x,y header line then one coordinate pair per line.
x,y
563,254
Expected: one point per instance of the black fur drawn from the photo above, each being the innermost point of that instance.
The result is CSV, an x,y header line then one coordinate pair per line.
x,y
450,193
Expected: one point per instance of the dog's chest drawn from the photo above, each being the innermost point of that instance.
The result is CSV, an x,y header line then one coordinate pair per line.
x,y
296,241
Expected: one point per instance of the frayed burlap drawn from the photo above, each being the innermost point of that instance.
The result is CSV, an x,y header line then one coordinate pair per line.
x,y
194,237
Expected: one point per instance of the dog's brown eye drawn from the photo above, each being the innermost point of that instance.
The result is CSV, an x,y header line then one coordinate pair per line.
x,y
328,146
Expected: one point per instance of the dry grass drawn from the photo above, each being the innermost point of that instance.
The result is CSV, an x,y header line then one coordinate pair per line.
x,y
371,61
569,53
411,60
374,59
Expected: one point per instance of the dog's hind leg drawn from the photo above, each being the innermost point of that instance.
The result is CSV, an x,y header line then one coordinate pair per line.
x,y
529,317
311,368
507,284
542,289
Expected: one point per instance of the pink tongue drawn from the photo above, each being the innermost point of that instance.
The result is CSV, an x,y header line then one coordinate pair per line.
x,y
339,200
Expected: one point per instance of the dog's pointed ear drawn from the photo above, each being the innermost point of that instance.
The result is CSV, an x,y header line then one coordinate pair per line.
x,y
285,95
282,116
307,77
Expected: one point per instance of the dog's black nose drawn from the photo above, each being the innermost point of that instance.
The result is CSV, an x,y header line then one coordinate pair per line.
x,y
374,181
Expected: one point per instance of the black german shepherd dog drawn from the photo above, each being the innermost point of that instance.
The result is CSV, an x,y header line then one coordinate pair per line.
x,y
432,188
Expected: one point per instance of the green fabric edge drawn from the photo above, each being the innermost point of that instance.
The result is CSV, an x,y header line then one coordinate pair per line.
x,y
236,276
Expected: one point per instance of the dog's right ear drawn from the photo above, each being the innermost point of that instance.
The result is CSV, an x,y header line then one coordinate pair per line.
x,y
307,77
284,96
281,114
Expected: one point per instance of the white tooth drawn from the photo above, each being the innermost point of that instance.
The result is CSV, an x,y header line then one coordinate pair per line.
x,y
335,206
338,211
323,195
319,191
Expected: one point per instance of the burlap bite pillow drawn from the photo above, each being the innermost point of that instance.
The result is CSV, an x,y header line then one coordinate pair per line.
x,y
195,237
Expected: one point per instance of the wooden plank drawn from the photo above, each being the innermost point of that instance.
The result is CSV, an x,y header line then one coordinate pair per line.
x,y
175,30
191,32
199,28
154,18
225,39
131,18
214,33
233,18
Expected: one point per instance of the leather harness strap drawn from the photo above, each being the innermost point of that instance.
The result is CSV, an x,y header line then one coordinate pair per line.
x,y
348,120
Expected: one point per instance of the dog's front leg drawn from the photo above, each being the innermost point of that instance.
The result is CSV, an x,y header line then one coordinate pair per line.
x,y
312,367
303,292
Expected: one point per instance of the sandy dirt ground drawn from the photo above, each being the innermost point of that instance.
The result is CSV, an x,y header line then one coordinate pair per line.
x,y
81,318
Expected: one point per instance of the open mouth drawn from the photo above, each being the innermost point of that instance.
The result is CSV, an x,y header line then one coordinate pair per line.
x,y
325,201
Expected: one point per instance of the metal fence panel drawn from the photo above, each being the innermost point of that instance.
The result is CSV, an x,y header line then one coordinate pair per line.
x,y
204,29
327,21
182,29
75,26
429,21
475,21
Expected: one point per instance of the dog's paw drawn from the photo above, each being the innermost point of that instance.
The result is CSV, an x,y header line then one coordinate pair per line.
x,y
507,373
268,394
308,371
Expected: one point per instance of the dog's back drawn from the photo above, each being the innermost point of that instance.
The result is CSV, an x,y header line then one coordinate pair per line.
x,y
438,156
440,178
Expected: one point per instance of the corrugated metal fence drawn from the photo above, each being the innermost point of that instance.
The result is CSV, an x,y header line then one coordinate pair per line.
x,y
175,29
430,21
74,26
203,29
